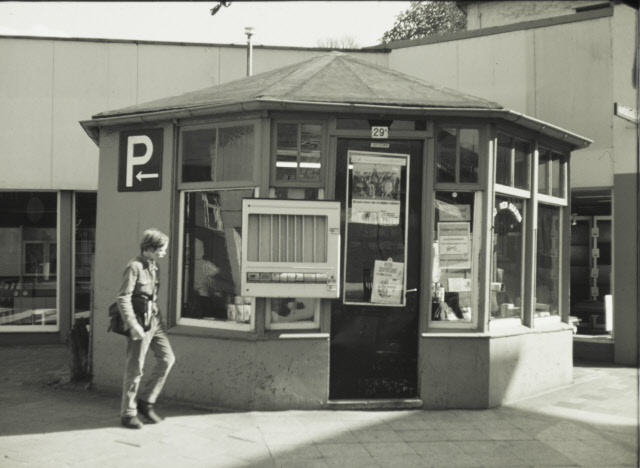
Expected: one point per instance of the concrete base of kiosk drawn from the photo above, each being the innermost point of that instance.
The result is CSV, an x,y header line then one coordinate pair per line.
x,y
478,370
464,371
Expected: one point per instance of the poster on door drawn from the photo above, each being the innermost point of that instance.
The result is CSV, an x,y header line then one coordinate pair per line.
x,y
388,282
375,183
454,240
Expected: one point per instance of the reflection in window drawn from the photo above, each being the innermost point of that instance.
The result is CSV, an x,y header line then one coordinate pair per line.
x,y
457,155
217,154
211,257
551,175
454,280
548,262
85,239
292,312
298,152
28,258
508,248
512,162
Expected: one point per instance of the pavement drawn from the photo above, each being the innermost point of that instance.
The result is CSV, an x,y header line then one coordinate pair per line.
x,y
45,421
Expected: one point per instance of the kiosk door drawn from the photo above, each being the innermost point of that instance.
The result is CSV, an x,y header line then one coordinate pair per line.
x,y
374,323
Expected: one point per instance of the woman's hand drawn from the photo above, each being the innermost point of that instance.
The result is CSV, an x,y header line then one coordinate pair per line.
x,y
136,332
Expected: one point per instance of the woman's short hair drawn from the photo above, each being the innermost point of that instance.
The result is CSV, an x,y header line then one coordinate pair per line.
x,y
152,239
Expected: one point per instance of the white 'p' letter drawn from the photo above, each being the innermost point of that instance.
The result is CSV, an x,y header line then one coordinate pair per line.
x,y
137,160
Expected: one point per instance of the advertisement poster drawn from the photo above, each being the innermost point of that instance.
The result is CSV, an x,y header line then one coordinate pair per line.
x,y
454,242
375,183
449,212
388,282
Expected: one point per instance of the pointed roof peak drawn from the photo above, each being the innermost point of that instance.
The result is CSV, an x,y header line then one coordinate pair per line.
x,y
319,80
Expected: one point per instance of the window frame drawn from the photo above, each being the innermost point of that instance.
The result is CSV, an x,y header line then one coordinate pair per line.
x,y
273,158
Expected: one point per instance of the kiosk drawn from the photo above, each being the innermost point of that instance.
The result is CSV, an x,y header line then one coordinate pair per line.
x,y
342,235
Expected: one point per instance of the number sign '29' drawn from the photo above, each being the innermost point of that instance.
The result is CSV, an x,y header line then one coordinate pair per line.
x,y
379,132
140,160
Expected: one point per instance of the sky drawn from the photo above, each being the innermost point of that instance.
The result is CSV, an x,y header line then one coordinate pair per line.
x,y
292,23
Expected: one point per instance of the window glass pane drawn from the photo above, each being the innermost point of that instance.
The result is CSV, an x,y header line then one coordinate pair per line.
x,y
503,160
557,175
291,312
446,150
469,149
198,151
286,151
28,258
310,162
508,248
544,161
521,161
548,262
85,223
212,155
234,156
212,255
454,280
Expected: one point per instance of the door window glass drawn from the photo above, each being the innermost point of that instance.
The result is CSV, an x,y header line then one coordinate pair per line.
x,y
375,229
548,261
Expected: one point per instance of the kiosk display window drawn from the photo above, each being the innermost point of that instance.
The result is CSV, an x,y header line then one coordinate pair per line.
x,y
508,257
548,261
455,257
212,253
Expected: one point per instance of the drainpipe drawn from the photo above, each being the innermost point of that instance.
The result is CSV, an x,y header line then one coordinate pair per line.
x,y
249,32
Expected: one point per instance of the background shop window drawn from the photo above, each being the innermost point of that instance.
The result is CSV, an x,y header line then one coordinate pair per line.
x,y
211,256
455,257
508,257
552,173
548,261
28,260
292,312
217,154
513,161
85,243
298,153
457,155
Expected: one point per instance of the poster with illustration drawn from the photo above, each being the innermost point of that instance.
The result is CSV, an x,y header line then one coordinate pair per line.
x,y
388,282
454,242
375,185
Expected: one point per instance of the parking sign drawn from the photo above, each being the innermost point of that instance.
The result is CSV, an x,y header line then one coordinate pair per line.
x,y
140,160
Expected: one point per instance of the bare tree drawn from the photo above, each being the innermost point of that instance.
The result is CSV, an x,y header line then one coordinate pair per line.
x,y
343,42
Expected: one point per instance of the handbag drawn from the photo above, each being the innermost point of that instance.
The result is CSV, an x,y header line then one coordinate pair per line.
x,y
141,309
116,325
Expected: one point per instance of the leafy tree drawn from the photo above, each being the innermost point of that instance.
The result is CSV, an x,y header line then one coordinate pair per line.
x,y
423,19
344,42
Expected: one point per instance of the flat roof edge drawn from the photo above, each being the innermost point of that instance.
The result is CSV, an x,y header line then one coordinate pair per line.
x,y
553,131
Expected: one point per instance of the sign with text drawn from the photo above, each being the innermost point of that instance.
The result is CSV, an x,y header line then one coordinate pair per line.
x,y
388,282
140,160
454,242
